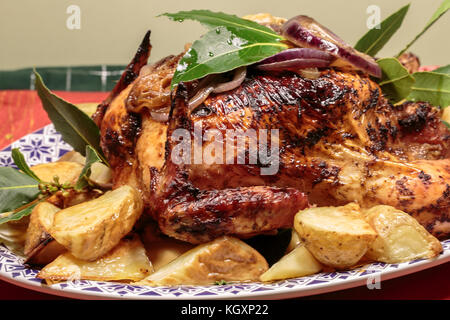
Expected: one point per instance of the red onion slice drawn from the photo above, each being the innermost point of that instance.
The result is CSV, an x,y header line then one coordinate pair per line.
x,y
295,59
306,32
201,96
239,77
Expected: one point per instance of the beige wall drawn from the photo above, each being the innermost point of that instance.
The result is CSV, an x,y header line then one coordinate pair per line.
x,y
34,32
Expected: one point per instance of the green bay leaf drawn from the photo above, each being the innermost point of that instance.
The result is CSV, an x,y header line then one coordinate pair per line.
x,y
219,19
444,70
75,126
375,39
16,189
431,87
20,162
221,50
443,8
18,214
91,158
396,82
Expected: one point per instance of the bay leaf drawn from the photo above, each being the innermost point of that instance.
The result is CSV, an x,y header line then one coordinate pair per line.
x,y
16,189
443,69
76,128
375,39
91,158
443,8
20,162
431,87
221,50
18,214
396,81
219,19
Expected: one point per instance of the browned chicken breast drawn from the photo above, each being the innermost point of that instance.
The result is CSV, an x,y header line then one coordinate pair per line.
x,y
339,140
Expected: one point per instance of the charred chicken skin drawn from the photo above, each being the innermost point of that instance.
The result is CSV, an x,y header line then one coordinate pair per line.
x,y
339,138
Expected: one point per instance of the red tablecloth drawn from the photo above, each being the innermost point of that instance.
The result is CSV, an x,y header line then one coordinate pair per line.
x,y
22,113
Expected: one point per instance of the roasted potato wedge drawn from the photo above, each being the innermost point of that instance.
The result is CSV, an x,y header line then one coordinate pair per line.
x,y
337,236
73,156
101,175
40,247
126,261
91,229
295,241
65,170
161,249
297,263
225,258
400,237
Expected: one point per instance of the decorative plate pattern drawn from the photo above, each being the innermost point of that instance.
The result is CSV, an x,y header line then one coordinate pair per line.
x,y
46,145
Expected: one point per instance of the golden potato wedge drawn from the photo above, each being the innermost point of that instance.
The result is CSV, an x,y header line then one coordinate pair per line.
x,y
13,235
40,247
126,261
73,156
88,107
295,241
161,249
400,237
101,175
91,229
297,263
66,171
337,236
225,258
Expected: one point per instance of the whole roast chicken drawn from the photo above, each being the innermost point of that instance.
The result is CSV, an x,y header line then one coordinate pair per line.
x,y
337,139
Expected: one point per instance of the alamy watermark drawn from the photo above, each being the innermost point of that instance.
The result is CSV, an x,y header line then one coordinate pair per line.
x,y
374,19
228,146
73,22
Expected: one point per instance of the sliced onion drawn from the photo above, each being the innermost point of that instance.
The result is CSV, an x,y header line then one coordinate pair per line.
x,y
295,59
239,76
306,32
210,85
201,96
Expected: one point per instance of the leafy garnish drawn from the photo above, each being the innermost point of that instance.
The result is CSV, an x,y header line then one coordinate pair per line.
x,y
375,39
232,43
20,162
396,82
16,189
76,128
431,87
219,19
91,158
19,214
445,5
446,123
444,70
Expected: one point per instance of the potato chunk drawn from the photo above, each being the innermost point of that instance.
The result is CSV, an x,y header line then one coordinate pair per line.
x,y
337,236
401,238
40,247
297,263
90,229
160,248
65,170
225,258
126,261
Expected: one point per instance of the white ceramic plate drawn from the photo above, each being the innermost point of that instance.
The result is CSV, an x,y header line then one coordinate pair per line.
x,y
46,145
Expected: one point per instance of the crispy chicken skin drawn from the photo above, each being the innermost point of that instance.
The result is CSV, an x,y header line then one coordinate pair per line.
x,y
340,141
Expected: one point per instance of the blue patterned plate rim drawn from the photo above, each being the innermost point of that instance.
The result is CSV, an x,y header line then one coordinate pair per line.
x,y
46,145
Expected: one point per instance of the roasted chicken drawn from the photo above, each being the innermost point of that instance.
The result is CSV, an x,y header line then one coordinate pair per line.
x,y
339,141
